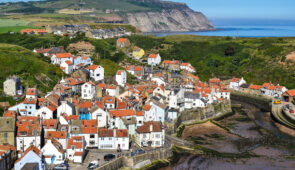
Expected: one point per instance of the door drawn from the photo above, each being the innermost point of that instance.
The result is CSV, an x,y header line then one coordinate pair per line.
x,y
53,159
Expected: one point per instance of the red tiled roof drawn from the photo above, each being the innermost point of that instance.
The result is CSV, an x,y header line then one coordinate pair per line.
x,y
30,101
78,153
214,80
49,123
139,113
111,87
103,132
99,104
85,104
89,126
28,124
137,68
119,72
69,62
122,113
235,79
291,92
63,55
72,142
109,99
102,85
121,40
10,113
121,133
153,55
121,105
145,128
255,87
147,107
56,134
31,91
92,67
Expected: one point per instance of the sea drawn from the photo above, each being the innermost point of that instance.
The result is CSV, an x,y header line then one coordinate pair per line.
x,y
245,28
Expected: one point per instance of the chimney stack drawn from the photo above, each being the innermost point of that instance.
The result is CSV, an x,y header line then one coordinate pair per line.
x,y
151,127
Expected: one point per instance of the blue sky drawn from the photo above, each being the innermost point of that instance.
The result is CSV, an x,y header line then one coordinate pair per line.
x,y
248,9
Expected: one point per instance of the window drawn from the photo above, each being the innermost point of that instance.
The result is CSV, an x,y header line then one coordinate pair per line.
x,y
92,136
5,136
97,75
73,147
30,113
144,135
157,142
102,138
158,136
110,138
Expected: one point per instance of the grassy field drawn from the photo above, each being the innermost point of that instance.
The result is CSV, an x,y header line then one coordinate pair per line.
x,y
13,25
16,60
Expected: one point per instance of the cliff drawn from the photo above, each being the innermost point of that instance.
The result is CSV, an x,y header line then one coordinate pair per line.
x,y
169,17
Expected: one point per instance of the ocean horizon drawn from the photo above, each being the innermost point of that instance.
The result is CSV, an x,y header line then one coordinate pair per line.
x,y
254,28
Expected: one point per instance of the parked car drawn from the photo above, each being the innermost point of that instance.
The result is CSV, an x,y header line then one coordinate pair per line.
x,y
93,165
277,102
109,157
139,151
63,166
132,154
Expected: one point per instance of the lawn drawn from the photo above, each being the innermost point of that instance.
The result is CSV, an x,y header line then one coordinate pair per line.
x,y
12,22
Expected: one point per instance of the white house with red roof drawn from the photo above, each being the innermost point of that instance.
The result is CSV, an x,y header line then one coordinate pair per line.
x,y
121,139
154,59
101,116
235,83
109,102
46,112
60,136
66,108
67,67
31,93
96,72
113,90
76,149
90,133
88,91
150,134
30,155
113,139
53,152
187,67
49,125
60,58
121,78
106,139
28,133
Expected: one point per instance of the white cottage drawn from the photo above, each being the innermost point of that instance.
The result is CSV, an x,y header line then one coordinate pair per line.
x,y
154,59
96,72
121,78
88,91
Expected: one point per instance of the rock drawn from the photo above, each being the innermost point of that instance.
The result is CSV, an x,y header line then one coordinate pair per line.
x,y
169,20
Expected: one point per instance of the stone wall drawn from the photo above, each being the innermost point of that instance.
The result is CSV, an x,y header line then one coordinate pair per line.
x,y
161,153
209,112
260,101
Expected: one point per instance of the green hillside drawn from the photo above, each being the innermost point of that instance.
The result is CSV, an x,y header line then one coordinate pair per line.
x,y
258,60
51,6
33,71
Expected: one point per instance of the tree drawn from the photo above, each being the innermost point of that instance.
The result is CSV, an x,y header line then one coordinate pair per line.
x,y
229,51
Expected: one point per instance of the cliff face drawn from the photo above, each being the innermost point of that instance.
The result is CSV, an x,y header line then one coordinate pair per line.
x,y
169,20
